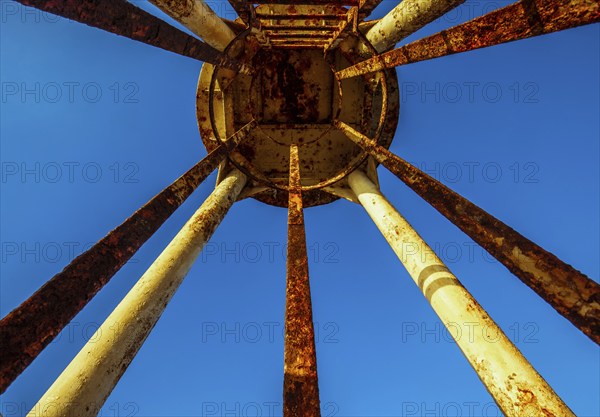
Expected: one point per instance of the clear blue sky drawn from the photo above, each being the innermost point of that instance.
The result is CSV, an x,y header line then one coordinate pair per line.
x,y
524,146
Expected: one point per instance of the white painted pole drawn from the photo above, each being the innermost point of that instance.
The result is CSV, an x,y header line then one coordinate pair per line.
x,y
405,19
198,17
86,383
518,389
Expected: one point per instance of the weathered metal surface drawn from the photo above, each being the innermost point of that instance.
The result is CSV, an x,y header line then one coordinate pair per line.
x,y
244,10
293,96
310,2
315,16
518,389
521,20
198,17
82,388
568,291
405,19
312,36
124,19
350,24
29,328
320,28
300,381
237,26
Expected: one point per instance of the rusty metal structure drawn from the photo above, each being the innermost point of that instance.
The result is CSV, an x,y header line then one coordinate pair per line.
x,y
297,105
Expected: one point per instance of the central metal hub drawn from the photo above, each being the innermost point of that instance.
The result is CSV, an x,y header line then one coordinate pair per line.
x,y
296,86
294,96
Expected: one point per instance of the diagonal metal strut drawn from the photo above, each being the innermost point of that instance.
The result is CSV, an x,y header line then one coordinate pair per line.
x,y
125,19
568,291
300,381
521,20
29,328
85,384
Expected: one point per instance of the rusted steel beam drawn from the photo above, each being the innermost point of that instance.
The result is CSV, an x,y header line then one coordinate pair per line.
x,y
521,20
303,41
124,19
296,46
322,28
280,16
311,2
349,24
237,27
518,389
287,35
244,10
568,291
300,381
405,19
29,328
85,384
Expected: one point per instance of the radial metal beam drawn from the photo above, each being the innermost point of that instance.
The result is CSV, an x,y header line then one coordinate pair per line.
x,y
521,20
245,10
300,381
568,291
29,328
405,19
518,389
198,17
83,387
125,19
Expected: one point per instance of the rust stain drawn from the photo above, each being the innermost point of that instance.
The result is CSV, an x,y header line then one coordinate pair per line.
x,y
568,291
125,19
524,19
29,328
300,386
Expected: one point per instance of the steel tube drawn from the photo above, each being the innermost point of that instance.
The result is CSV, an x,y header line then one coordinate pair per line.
x,y
82,388
30,327
515,385
405,19
571,293
198,17
300,381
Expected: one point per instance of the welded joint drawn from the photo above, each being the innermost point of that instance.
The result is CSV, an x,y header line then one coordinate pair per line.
x,y
250,191
371,170
342,192
350,21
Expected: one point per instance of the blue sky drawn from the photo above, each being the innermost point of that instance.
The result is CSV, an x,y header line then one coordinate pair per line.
x,y
109,122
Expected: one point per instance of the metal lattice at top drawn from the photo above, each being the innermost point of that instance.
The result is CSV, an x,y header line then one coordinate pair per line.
x,y
297,105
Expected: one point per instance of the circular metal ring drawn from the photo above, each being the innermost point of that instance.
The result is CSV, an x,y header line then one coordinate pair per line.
x,y
351,166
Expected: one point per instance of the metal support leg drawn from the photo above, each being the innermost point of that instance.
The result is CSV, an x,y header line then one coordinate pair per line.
x,y
123,18
300,383
30,327
512,381
88,380
571,293
405,19
521,20
198,17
